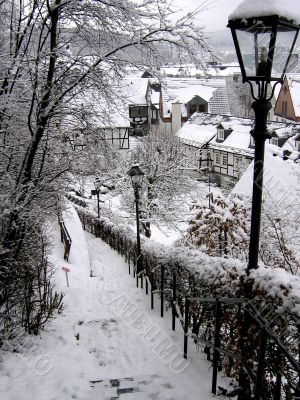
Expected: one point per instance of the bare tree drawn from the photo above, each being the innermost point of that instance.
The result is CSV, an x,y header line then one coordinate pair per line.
x,y
165,185
51,52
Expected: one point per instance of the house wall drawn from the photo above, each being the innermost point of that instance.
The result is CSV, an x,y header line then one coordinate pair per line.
x,y
229,164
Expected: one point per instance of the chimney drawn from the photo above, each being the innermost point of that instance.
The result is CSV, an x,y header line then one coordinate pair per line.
x,y
176,117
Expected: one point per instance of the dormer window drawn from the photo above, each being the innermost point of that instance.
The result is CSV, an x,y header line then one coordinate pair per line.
x,y
274,141
221,134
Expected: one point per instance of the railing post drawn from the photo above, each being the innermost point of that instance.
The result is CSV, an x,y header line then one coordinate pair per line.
x,y
278,386
261,364
216,354
174,301
141,269
125,250
134,267
152,295
186,326
297,390
162,271
146,262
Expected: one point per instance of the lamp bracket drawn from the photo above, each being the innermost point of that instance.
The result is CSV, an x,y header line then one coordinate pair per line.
x,y
262,90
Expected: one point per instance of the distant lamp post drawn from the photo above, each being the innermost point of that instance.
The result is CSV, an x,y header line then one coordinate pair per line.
x,y
96,192
137,175
264,46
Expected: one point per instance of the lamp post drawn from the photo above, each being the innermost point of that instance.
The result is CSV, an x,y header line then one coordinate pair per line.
x,y
96,192
264,46
137,175
259,42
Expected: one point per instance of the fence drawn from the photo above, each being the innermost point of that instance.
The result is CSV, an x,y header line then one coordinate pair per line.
x,y
215,322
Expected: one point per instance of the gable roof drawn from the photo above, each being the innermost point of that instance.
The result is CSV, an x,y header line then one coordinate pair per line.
x,y
294,86
225,125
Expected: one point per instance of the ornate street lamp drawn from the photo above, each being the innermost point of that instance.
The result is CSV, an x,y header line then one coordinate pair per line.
x,y
264,46
137,175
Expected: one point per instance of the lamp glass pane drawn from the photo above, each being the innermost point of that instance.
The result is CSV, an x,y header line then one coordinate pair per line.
x,y
284,43
254,51
247,47
262,45
137,181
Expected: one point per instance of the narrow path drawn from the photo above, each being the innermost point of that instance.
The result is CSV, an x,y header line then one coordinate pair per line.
x,y
107,344
136,347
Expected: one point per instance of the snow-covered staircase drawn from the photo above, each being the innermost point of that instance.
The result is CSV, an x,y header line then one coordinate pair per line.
x,y
144,387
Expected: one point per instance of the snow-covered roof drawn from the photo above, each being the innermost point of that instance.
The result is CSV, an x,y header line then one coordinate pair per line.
x,y
202,127
226,125
282,132
189,70
185,91
195,132
103,112
239,138
219,103
134,90
280,177
257,8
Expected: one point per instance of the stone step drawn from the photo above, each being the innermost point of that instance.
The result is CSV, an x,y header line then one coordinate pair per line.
x,y
144,387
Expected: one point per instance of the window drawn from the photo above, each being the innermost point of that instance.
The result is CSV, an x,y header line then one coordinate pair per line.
x,y
218,159
224,160
274,141
193,109
197,108
154,114
237,162
221,134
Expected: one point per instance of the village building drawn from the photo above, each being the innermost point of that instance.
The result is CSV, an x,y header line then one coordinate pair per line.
x,y
223,145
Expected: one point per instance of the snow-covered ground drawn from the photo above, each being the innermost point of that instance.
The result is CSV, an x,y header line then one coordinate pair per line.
x,y
108,343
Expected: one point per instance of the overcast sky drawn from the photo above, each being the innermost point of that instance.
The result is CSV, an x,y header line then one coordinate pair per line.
x,y
215,16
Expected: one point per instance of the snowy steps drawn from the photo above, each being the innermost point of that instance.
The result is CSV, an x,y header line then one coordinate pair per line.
x,y
144,387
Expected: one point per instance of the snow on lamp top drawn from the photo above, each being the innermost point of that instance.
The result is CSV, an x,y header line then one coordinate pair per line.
x,y
287,9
